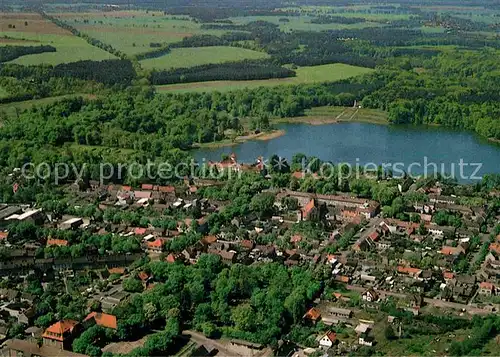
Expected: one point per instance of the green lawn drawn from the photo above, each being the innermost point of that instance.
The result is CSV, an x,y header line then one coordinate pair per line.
x,y
195,56
69,49
313,74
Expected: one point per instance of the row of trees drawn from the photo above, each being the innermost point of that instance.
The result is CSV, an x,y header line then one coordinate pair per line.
x,y
9,53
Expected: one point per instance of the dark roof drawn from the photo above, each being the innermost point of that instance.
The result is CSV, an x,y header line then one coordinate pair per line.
x,y
30,349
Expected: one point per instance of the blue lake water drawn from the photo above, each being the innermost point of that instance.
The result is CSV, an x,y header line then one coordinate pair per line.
x,y
379,144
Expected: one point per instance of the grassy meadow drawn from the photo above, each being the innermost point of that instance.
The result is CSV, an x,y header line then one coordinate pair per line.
x,y
195,56
311,74
132,32
32,30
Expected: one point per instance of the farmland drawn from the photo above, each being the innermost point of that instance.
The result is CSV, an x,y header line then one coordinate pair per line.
x,y
187,57
305,75
32,29
132,32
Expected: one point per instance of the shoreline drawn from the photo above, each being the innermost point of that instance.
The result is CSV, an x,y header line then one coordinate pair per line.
x,y
262,136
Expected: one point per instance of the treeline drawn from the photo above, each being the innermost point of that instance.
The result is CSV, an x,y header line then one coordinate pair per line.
x,y
226,39
9,53
242,70
158,52
326,19
109,72
94,42
100,71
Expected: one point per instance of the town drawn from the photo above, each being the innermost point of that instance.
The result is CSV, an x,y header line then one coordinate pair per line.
x,y
91,273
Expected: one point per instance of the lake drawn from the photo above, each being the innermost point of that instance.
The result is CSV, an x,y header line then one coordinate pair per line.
x,y
379,144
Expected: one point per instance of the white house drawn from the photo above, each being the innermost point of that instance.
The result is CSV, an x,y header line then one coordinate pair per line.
x,y
328,339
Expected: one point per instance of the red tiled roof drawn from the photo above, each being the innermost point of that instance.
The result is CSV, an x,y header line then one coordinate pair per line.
x,y
147,186
298,175
58,242
126,188
374,236
102,319
193,189
409,270
308,208
342,278
447,250
209,240
140,231
448,275
143,276
313,314
166,189
486,285
57,330
142,194
171,258
3,235
246,243
157,243
116,271
296,238
332,336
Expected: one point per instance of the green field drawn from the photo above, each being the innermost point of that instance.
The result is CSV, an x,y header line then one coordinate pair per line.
x,y
313,74
132,32
69,49
195,56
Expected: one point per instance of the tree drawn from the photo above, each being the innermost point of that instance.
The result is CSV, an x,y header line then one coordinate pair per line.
x,y
262,204
389,333
132,285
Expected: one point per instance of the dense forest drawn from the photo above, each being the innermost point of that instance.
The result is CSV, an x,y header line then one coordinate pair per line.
x,y
9,53
241,70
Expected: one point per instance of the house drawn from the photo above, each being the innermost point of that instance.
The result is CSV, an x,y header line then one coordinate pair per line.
x,y
328,339
486,289
366,340
57,242
413,272
17,348
156,246
71,223
362,328
370,295
454,251
102,319
311,211
312,315
60,334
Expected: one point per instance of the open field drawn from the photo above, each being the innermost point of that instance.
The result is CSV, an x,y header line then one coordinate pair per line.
x,y
195,56
42,32
10,110
132,31
313,74
332,115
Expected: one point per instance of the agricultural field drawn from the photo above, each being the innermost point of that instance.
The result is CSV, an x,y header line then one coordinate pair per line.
x,y
132,32
305,75
31,29
195,56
